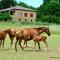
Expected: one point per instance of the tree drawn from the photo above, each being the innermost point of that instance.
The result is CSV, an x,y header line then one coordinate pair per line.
x,y
7,3
5,16
48,11
46,1
22,4
25,5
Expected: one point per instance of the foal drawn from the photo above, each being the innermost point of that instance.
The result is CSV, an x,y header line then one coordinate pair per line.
x,y
39,38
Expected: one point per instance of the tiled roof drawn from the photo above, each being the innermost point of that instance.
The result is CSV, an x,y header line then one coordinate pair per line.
x,y
17,8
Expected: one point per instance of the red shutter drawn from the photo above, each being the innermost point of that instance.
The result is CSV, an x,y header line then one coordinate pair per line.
x,y
25,14
31,15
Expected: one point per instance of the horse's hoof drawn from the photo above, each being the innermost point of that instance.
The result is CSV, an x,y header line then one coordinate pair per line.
x,y
45,49
34,50
24,46
29,46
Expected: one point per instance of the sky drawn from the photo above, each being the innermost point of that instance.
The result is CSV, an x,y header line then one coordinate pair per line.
x,y
35,3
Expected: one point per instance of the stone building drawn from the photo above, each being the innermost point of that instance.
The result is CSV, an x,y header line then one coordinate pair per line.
x,y
19,13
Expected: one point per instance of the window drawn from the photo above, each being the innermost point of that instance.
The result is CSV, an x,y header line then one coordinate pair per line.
x,y
11,12
19,19
31,15
25,14
31,20
25,19
20,14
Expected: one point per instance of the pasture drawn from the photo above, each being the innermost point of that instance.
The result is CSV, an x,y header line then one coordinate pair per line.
x,y
53,41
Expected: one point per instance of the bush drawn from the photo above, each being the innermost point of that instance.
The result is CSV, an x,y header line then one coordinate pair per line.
x,y
49,12
5,16
26,22
50,19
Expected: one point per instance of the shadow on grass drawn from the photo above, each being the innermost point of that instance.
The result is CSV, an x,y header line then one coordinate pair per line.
x,y
5,49
42,50
28,50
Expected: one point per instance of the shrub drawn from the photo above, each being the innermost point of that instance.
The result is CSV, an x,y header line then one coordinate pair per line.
x,y
50,19
5,16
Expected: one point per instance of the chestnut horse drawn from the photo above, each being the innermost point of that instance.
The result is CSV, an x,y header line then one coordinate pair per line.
x,y
39,38
11,32
40,30
27,34
3,33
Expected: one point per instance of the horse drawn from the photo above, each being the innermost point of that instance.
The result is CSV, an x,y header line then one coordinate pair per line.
x,y
27,35
40,30
3,33
39,38
12,33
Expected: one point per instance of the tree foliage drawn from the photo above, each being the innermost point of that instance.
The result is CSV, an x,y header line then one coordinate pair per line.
x,y
22,4
46,1
7,3
5,16
48,11
25,5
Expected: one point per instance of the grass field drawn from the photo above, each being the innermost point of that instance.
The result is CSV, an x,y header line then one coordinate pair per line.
x,y
53,41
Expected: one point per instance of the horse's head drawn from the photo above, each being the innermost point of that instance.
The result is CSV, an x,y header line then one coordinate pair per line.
x,y
47,31
44,29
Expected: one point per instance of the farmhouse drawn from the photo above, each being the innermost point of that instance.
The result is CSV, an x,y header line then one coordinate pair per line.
x,y
20,13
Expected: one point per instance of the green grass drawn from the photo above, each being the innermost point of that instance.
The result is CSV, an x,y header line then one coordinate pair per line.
x,y
53,46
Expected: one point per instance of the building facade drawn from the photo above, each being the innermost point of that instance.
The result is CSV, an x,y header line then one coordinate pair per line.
x,y
19,13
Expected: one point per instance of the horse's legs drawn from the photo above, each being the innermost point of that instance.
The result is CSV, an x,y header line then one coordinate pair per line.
x,y
34,46
24,43
0,42
3,42
46,45
11,41
16,45
20,44
39,46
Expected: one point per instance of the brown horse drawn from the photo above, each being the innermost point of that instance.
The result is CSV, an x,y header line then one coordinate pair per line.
x,y
12,33
2,37
39,30
27,34
39,38
3,33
